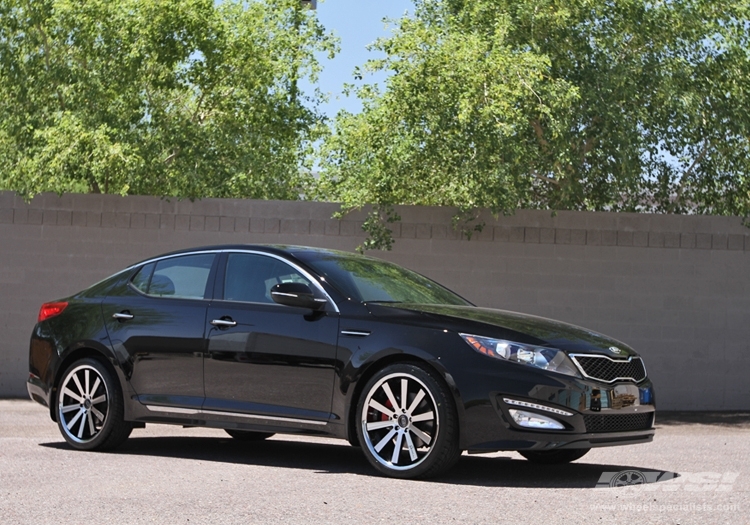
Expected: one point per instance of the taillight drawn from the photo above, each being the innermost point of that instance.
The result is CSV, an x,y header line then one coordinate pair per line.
x,y
51,310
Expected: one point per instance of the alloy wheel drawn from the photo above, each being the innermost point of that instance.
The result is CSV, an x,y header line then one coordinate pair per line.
x,y
83,404
400,421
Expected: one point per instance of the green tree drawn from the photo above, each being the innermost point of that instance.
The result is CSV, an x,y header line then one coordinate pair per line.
x,y
188,98
631,105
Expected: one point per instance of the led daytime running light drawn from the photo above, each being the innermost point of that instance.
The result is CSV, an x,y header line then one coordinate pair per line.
x,y
537,407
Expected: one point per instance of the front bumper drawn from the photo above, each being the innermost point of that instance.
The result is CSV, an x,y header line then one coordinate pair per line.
x,y
593,414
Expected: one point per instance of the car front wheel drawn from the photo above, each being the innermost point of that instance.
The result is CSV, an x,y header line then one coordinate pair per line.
x,y
90,407
407,423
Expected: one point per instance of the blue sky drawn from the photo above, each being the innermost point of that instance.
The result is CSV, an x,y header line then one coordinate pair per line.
x,y
357,23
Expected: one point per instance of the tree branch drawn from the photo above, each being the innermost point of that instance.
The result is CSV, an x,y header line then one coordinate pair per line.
x,y
172,156
530,88
534,174
540,134
46,47
697,159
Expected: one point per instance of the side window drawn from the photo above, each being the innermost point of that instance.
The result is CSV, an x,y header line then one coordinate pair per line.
x,y
250,277
184,277
143,278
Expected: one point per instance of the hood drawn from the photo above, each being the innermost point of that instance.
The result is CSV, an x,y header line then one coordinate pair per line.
x,y
523,327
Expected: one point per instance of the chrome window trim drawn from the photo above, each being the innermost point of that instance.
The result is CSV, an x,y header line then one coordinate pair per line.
x,y
304,272
195,411
600,356
163,258
170,256
301,270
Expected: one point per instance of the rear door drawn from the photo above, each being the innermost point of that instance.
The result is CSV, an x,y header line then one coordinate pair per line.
x,y
156,325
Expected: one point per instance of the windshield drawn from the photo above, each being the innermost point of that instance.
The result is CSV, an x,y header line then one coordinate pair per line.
x,y
372,280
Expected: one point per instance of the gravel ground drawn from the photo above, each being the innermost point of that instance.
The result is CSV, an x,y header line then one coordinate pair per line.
x,y
166,474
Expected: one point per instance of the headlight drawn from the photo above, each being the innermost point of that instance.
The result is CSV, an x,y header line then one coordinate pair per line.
x,y
537,356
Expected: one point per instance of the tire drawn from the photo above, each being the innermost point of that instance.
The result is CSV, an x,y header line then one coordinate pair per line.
x,y
417,439
247,435
554,457
90,408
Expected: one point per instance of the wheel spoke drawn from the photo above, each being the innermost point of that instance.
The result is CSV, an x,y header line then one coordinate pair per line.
x,y
82,426
427,416
397,448
92,430
391,397
98,414
100,399
86,375
93,389
70,408
385,440
376,425
404,393
377,406
68,392
416,402
78,384
410,446
421,435
72,422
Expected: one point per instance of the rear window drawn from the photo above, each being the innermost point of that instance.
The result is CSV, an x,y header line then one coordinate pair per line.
x,y
184,277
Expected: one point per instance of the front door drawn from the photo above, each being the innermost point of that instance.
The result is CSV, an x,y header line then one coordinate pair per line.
x,y
265,359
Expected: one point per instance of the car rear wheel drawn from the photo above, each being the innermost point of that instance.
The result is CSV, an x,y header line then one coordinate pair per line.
x,y
553,457
90,407
248,435
407,423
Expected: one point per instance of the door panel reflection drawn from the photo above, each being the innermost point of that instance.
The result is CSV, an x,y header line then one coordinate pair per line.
x,y
278,360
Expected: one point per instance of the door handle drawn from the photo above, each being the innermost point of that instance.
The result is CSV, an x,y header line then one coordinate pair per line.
x,y
123,316
224,323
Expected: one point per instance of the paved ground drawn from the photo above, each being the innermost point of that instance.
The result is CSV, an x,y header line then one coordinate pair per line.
x,y
173,475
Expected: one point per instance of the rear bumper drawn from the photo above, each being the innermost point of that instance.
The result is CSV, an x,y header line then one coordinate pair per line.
x,y
38,390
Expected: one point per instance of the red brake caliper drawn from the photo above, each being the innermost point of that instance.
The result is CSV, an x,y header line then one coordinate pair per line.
x,y
385,417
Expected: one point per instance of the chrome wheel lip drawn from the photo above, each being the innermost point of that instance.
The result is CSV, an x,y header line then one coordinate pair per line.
x,y
368,441
87,406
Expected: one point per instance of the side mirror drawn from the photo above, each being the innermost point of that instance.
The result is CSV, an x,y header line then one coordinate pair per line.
x,y
296,294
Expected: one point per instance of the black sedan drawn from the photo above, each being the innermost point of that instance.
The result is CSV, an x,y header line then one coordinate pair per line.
x,y
259,340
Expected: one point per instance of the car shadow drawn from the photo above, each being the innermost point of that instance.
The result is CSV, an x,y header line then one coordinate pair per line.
x,y
326,458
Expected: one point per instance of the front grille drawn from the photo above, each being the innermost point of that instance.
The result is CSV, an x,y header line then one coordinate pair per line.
x,y
608,370
617,422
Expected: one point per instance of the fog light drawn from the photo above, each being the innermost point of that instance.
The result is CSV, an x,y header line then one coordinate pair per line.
x,y
526,404
531,420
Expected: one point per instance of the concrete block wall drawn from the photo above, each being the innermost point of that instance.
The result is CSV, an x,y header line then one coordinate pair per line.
x,y
676,288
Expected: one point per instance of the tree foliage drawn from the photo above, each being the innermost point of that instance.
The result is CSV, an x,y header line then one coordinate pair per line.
x,y
627,105
190,98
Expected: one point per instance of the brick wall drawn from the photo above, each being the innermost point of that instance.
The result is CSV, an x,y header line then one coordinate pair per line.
x,y
677,288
